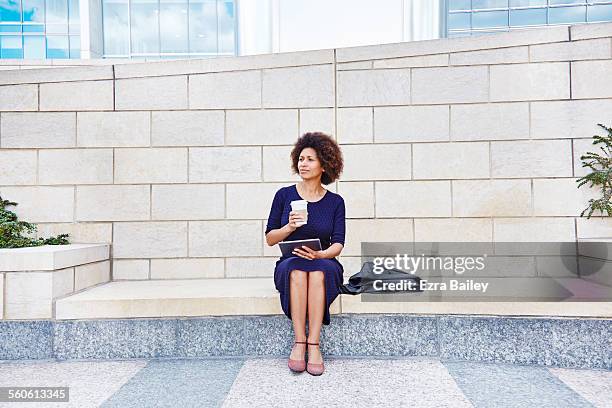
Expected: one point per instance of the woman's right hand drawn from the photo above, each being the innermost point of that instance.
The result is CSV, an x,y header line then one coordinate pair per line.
x,y
294,218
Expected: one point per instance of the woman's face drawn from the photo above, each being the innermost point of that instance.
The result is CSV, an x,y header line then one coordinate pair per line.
x,y
309,166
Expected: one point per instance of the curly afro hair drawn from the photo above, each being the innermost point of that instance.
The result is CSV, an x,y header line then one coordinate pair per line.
x,y
328,153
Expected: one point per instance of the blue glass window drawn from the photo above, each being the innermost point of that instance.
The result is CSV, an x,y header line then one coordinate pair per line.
x,y
484,19
600,12
489,4
459,20
116,29
10,28
527,3
57,16
57,46
34,46
74,20
225,15
11,46
145,26
524,17
459,5
563,15
203,26
34,11
10,10
553,2
173,23
75,46
33,28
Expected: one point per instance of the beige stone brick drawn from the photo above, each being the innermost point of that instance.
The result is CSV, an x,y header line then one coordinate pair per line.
x,y
317,120
91,274
358,198
225,238
188,201
531,158
130,269
113,129
491,198
41,203
75,166
259,127
187,268
449,85
528,82
413,199
76,96
151,165
17,167
37,129
158,93
299,87
374,87
569,119
376,162
411,123
492,121
187,128
453,230
19,97
355,125
156,239
113,203
224,164
451,160
225,90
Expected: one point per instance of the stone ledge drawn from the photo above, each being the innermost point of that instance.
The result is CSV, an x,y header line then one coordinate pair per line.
x,y
575,343
51,257
175,298
57,74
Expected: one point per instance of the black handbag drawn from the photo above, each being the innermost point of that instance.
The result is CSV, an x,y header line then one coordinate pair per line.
x,y
364,281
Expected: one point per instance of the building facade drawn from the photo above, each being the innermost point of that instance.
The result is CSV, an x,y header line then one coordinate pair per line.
x,y
169,29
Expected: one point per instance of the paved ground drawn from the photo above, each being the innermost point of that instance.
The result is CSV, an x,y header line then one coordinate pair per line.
x,y
267,382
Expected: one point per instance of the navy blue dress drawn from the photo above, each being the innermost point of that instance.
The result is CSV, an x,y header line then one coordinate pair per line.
x,y
326,221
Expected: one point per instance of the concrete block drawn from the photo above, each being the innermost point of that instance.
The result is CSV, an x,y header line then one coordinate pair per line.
x,y
436,60
597,30
187,128
187,268
224,164
17,167
599,48
91,274
528,82
188,201
374,87
113,203
113,129
151,165
83,96
90,232
358,198
258,127
41,204
250,267
413,199
411,124
225,90
591,79
450,160
37,130
157,239
453,230
250,201
540,229
130,269
376,230
511,55
317,120
450,85
157,93
277,164
75,166
225,238
561,197
299,87
531,158
19,97
569,119
377,162
491,198
355,125
492,121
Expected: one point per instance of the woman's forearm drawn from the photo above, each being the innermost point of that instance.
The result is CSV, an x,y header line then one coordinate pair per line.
x,y
277,235
333,250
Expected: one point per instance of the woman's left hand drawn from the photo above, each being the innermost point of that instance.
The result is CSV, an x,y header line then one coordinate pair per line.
x,y
308,253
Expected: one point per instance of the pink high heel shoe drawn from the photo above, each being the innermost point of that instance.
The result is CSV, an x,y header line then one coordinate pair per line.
x,y
297,366
314,368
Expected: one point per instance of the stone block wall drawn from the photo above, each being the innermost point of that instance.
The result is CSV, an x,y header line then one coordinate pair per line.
x,y
176,162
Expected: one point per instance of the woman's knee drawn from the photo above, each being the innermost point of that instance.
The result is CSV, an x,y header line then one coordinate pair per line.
x,y
316,277
297,276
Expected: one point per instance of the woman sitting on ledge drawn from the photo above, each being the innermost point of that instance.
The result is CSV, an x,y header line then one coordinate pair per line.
x,y
309,280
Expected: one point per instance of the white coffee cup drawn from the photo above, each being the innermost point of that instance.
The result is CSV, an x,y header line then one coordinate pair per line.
x,y
301,206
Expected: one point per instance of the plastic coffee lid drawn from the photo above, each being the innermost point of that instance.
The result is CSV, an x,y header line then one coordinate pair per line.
x,y
299,203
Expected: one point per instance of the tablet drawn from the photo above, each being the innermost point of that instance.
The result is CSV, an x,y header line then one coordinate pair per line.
x,y
287,247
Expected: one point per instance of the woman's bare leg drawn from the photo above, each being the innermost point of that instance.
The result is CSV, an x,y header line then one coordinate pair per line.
x,y
316,310
297,299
